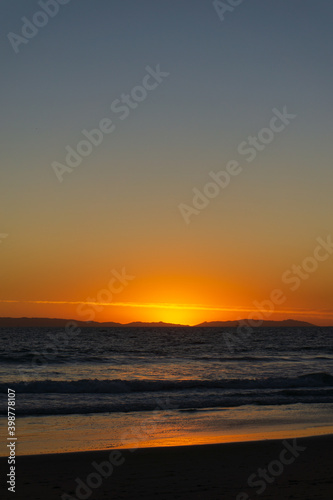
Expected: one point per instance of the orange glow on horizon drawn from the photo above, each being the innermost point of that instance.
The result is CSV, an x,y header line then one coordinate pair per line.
x,y
126,312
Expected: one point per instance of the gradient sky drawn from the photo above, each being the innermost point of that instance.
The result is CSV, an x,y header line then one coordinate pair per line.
x,y
120,207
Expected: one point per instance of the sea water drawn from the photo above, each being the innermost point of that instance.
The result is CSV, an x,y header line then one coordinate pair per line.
x,y
134,387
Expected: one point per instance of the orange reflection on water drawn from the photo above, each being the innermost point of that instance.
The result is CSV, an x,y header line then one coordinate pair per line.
x,y
202,438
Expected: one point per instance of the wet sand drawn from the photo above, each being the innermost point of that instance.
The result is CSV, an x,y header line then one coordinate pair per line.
x,y
216,471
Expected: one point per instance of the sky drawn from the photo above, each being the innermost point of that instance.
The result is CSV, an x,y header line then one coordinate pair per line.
x,y
182,90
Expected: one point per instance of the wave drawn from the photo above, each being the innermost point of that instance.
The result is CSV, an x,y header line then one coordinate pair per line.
x,y
42,359
114,355
117,386
80,404
45,358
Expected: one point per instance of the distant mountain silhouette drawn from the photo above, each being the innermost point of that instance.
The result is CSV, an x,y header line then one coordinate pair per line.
x,y
51,322
264,324
156,324
61,323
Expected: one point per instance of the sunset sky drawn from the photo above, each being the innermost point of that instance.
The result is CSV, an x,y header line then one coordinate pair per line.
x,y
62,242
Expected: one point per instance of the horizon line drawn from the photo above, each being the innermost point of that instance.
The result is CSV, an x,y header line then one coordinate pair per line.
x,y
165,305
240,320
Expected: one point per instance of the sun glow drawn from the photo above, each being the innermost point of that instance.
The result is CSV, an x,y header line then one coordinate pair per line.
x,y
170,315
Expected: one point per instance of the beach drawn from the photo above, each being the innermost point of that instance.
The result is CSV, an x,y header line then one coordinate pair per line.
x,y
202,421
215,471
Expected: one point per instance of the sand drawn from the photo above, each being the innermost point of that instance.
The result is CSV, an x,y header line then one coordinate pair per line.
x,y
215,471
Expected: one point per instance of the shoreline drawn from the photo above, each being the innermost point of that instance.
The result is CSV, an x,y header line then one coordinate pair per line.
x,y
206,441
301,469
144,440
40,435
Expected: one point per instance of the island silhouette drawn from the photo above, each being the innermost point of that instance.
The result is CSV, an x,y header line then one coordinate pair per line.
x,y
59,322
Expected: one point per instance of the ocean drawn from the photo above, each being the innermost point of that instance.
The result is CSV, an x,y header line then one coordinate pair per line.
x,y
132,387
